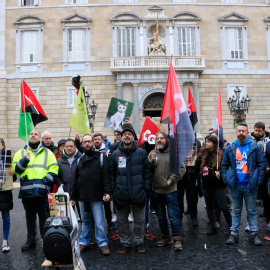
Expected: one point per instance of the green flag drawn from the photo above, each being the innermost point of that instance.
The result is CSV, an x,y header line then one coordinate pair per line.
x,y
22,131
79,117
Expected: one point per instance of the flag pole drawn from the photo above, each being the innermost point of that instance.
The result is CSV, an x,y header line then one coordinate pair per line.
x,y
217,147
69,132
24,112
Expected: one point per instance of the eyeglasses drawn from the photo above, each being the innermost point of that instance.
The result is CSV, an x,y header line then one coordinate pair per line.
x,y
127,134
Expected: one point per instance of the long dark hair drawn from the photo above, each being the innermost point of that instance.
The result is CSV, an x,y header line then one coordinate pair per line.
x,y
204,153
3,143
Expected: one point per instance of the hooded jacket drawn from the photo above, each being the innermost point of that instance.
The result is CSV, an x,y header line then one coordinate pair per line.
x,y
130,175
66,170
255,161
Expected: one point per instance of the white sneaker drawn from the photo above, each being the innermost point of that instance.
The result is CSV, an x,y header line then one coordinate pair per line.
x,y
114,218
247,229
130,218
5,246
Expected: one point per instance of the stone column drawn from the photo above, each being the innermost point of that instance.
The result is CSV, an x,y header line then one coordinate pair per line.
x,y
136,114
119,90
196,98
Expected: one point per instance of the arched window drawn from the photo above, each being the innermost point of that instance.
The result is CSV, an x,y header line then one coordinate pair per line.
x,y
152,105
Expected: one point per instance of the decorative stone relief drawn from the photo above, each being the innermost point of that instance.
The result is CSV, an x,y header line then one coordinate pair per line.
x,y
153,49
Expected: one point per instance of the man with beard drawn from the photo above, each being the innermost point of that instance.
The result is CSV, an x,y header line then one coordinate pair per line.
x,y
131,180
242,168
91,187
37,168
99,145
164,188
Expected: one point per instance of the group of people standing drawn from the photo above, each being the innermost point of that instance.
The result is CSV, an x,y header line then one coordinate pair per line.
x,y
95,172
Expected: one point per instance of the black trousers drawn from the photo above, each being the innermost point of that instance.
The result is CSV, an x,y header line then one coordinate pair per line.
x,y
32,207
188,184
216,195
266,200
108,211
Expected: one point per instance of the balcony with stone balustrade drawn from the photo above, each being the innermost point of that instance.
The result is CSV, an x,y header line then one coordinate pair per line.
x,y
157,63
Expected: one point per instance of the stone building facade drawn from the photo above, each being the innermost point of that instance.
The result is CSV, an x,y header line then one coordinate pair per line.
x,y
111,44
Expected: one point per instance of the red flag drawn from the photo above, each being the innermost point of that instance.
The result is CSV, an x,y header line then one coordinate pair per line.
x,y
192,112
30,104
219,123
148,133
174,112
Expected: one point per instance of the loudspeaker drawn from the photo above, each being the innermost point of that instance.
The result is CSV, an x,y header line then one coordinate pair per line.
x,y
56,240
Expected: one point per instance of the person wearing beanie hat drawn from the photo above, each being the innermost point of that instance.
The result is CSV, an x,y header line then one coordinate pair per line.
x,y
60,148
131,180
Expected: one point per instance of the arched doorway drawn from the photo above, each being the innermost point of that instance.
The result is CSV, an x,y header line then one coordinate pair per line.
x,y
152,105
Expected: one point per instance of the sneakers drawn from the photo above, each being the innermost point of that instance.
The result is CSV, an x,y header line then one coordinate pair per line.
x,y
149,235
140,248
166,240
28,245
123,249
267,238
5,246
114,218
254,238
247,229
105,250
177,246
130,218
232,239
115,236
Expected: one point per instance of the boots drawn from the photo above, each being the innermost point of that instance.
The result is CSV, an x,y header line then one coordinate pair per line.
x,y
177,246
232,239
212,231
254,238
166,240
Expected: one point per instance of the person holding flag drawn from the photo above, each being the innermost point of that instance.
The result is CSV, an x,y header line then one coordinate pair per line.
x,y
242,168
37,168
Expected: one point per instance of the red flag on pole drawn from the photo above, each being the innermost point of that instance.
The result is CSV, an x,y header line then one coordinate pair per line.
x,y
29,103
174,113
148,133
192,112
219,123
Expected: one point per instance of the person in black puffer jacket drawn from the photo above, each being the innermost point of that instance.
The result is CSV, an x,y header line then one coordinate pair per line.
x,y
213,186
131,179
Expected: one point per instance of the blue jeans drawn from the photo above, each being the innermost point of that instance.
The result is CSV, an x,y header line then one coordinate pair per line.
x,y
98,214
169,200
6,223
249,195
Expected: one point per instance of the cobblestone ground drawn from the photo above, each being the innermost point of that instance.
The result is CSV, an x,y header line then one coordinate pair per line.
x,y
199,251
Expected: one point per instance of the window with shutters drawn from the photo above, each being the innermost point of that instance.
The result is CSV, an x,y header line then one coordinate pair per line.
x,y
76,45
125,41
29,2
71,97
29,46
186,41
76,42
234,39
29,43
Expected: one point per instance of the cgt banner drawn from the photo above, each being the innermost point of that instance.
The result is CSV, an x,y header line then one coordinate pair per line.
x,y
148,133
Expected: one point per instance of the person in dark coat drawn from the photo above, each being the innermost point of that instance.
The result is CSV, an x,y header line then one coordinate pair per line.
x,y
6,199
91,187
131,179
